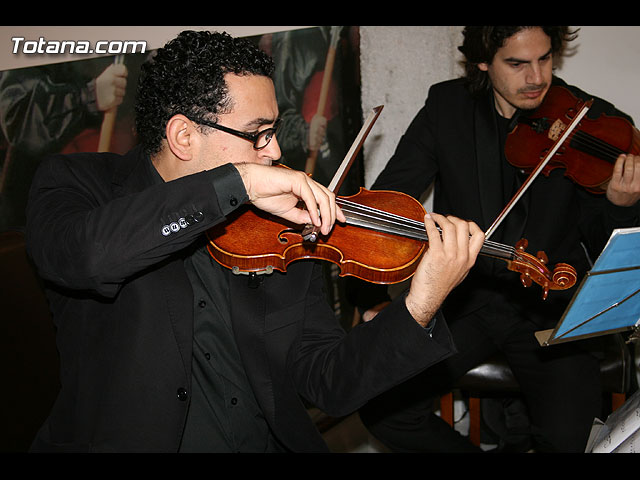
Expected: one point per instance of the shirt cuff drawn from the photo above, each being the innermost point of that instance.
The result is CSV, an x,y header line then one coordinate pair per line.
x,y
431,325
623,215
229,188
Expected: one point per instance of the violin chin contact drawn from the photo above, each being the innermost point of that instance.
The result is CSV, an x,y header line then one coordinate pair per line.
x,y
266,271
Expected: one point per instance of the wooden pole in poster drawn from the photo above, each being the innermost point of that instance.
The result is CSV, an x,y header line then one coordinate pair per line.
x,y
108,121
324,90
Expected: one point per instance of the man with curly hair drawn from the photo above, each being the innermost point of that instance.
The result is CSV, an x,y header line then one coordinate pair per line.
x,y
457,141
164,350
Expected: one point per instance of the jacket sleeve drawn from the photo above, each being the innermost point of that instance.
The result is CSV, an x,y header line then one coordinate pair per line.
x,y
413,166
82,236
340,372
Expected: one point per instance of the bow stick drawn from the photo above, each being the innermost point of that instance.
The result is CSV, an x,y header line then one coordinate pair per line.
x,y
310,232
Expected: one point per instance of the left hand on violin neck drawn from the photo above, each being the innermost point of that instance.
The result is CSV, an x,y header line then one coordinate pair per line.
x,y
624,187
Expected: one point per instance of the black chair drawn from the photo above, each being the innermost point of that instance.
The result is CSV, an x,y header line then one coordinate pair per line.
x,y
494,378
29,365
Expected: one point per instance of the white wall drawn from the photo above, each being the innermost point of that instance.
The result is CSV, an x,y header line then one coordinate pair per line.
x,y
398,64
607,64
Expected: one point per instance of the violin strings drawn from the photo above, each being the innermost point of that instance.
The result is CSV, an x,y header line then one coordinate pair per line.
x,y
374,218
594,146
370,217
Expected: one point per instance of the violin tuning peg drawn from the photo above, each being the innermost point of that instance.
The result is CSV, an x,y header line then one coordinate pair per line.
x,y
522,244
525,280
545,292
543,257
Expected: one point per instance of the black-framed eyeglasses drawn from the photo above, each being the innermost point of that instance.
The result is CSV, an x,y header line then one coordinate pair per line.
x,y
259,140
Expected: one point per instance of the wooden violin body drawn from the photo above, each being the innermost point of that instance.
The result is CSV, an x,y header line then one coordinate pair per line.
x,y
382,242
253,241
589,154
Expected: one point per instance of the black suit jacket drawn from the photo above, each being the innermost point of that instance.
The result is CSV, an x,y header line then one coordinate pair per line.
x,y
100,233
454,142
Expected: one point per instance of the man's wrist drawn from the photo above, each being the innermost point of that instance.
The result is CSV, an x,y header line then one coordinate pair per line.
x,y
418,312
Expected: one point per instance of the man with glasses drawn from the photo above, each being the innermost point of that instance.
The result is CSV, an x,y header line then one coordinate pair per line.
x,y
162,348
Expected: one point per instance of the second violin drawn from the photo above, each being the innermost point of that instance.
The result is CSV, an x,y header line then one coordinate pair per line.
x,y
589,153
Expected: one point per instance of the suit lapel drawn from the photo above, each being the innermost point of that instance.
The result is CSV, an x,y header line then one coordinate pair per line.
x,y
514,223
178,295
490,177
488,160
133,173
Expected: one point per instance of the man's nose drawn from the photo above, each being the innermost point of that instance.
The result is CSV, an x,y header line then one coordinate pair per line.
x,y
272,151
534,74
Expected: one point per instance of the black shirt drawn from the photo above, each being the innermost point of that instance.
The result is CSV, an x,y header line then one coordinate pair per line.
x,y
223,413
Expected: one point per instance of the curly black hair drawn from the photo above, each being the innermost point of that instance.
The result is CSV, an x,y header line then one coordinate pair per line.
x,y
481,43
186,76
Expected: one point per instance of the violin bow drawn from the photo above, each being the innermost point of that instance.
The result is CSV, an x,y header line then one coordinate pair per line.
x,y
533,175
310,232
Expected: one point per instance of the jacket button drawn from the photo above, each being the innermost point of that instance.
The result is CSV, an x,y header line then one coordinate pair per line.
x,y
182,394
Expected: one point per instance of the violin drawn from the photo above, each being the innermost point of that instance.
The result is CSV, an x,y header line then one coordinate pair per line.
x,y
382,242
589,153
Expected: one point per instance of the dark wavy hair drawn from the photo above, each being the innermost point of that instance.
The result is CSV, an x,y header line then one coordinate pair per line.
x,y
186,76
481,43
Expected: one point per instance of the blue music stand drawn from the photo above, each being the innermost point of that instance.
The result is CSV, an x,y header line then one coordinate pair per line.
x,y
608,299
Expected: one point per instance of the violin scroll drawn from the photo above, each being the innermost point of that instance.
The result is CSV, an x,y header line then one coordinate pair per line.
x,y
534,269
564,275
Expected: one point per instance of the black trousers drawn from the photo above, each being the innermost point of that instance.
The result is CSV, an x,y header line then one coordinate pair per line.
x,y
560,385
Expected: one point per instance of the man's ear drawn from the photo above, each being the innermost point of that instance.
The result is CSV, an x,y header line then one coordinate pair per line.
x,y
180,136
483,66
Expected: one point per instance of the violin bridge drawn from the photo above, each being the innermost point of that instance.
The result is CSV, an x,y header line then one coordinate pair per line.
x,y
556,130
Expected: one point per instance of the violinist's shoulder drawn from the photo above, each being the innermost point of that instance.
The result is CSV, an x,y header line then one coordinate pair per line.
x,y
600,105
450,94
454,85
